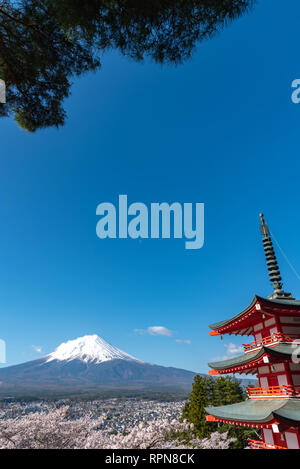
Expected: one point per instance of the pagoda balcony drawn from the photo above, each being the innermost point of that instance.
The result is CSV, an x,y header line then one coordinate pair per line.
x,y
271,340
277,392
261,445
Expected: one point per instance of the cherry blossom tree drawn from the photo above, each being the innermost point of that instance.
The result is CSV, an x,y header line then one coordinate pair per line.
x,y
56,429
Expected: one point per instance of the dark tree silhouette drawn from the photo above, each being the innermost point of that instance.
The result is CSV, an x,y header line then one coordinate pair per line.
x,y
37,61
45,43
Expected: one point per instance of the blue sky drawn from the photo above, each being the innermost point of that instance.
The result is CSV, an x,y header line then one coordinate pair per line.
x,y
220,129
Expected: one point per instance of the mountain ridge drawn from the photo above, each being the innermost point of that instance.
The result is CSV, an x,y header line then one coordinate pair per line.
x,y
90,362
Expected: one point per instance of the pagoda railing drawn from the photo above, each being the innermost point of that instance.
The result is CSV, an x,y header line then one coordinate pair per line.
x,y
261,445
271,340
279,392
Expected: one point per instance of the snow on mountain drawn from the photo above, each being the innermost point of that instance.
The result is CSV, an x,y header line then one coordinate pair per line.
x,y
89,348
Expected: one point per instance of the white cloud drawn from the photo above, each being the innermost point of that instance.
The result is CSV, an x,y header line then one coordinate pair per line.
x,y
159,330
37,348
186,342
155,330
231,351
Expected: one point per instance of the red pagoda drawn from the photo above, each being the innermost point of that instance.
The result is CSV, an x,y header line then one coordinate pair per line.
x,y
273,356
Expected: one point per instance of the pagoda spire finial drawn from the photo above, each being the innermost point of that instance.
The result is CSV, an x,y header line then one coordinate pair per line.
x,y
274,272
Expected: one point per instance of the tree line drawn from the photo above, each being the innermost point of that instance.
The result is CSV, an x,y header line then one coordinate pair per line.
x,y
208,391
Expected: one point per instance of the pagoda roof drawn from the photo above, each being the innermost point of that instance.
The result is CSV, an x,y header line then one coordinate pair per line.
x,y
270,305
280,350
259,411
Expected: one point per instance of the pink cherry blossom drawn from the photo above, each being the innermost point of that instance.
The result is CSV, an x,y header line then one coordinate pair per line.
x,y
56,430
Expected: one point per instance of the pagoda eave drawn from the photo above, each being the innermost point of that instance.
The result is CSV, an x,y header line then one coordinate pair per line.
x,y
249,362
239,423
258,412
260,308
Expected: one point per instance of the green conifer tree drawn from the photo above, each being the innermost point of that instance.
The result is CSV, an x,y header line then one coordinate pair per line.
x,y
216,392
44,44
194,410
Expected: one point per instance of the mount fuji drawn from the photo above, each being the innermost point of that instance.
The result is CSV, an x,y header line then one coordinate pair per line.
x,y
88,349
89,364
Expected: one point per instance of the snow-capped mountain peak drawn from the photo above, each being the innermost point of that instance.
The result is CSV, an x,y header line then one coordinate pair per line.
x,y
89,365
89,348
